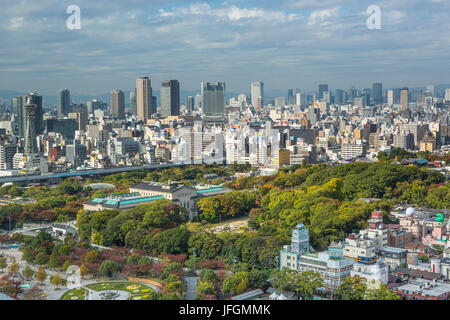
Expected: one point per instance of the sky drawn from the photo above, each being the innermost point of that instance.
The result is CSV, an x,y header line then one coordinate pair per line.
x,y
285,44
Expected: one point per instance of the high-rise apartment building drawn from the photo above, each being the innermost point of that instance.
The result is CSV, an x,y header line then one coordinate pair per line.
x,y
390,97
63,103
170,98
404,99
118,104
7,152
213,98
144,98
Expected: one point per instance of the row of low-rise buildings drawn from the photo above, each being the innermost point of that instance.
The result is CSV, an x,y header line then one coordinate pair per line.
x,y
148,192
374,255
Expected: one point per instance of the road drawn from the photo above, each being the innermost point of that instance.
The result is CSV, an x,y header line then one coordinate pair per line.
x,y
88,172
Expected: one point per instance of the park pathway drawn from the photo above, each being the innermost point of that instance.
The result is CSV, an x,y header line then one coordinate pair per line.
x,y
191,287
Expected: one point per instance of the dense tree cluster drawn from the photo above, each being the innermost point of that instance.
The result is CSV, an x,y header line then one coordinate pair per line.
x,y
50,204
234,204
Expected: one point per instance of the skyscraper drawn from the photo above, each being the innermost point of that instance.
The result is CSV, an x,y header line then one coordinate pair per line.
x,y
63,103
34,98
118,104
377,95
133,106
339,97
30,129
18,105
154,105
300,99
257,92
322,89
404,102
143,98
390,97
82,116
190,103
170,98
447,94
213,98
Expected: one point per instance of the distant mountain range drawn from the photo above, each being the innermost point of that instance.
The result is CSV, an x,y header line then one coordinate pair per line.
x,y
50,100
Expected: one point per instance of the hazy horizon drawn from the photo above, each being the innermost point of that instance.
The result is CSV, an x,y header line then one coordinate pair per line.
x,y
285,44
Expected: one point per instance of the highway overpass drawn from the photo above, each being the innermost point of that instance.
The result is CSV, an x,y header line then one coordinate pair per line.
x,y
89,172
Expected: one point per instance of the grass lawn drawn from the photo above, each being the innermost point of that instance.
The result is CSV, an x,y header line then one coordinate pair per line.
x,y
74,294
142,297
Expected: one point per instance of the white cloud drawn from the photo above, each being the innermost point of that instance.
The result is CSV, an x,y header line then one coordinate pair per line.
x,y
232,13
323,17
15,23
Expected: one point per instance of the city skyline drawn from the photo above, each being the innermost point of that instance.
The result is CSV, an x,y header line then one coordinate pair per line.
x,y
279,43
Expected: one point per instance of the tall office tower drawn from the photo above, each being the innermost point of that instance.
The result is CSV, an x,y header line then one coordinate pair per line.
x,y
257,93
366,99
213,98
144,98
133,106
390,97
154,105
339,99
290,92
198,100
82,116
300,99
377,93
63,103
431,89
118,104
404,102
34,98
447,94
352,93
291,99
18,104
326,96
30,129
322,89
170,98
190,103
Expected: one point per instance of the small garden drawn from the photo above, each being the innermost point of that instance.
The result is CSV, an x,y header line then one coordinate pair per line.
x,y
74,294
133,288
